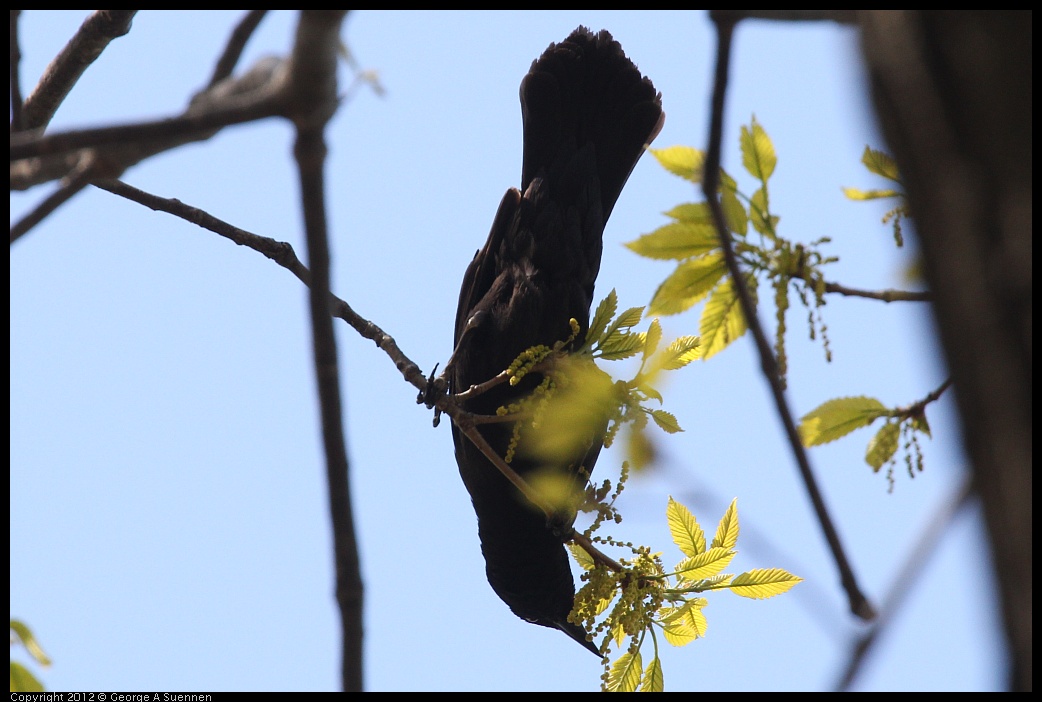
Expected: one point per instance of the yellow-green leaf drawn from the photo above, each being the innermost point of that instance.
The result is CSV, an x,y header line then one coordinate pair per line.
x,y
722,320
837,418
883,445
687,534
626,320
624,675
639,450
881,163
761,583
581,557
680,353
692,213
857,194
22,680
758,154
676,241
25,635
690,282
605,311
653,677
652,337
705,565
727,530
686,623
618,346
761,220
919,423
666,421
734,213
683,161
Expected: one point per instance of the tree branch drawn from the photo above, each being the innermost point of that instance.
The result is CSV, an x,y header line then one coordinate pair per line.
x,y
725,22
236,43
100,28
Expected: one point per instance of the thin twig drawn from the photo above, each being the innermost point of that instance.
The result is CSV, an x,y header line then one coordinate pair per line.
x,y
725,22
70,185
920,405
100,28
236,43
884,295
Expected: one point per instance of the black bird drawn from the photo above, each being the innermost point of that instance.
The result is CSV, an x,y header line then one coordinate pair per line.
x,y
587,113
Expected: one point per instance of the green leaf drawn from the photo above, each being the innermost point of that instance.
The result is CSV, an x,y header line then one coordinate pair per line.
x,y
653,677
837,418
683,526
686,623
734,213
856,194
727,530
666,421
619,346
761,583
690,282
22,680
692,213
652,338
605,311
722,320
758,154
628,319
680,353
676,241
883,445
25,635
704,565
881,163
624,675
919,423
683,161
581,557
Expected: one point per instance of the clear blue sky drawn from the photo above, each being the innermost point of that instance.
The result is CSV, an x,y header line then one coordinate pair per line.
x,y
169,522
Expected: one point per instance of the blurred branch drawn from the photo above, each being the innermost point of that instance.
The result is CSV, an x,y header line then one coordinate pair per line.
x,y
236,43
953,94
70,185
93,36
908,576
725,23
884,295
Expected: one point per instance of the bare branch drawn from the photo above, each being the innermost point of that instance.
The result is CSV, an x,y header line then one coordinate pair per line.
x,y
725,22
884,295
70,185
61,75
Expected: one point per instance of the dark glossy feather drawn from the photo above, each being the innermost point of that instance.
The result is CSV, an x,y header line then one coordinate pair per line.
x,y
588,114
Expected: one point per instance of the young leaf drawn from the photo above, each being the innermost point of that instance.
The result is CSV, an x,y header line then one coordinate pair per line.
x,y
653,677
25,635
856,194
22,680
652,338
722,320
618,346
758,155
705,565
677,241
839,417
666,421
727,530
761,583
686,623
581,557
734,214
881,164
605,311
683,161
692,213
883,445
626,320
690,282
624,675
683,526
680,353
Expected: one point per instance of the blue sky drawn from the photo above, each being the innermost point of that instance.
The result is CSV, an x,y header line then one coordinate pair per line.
x,y
169,527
